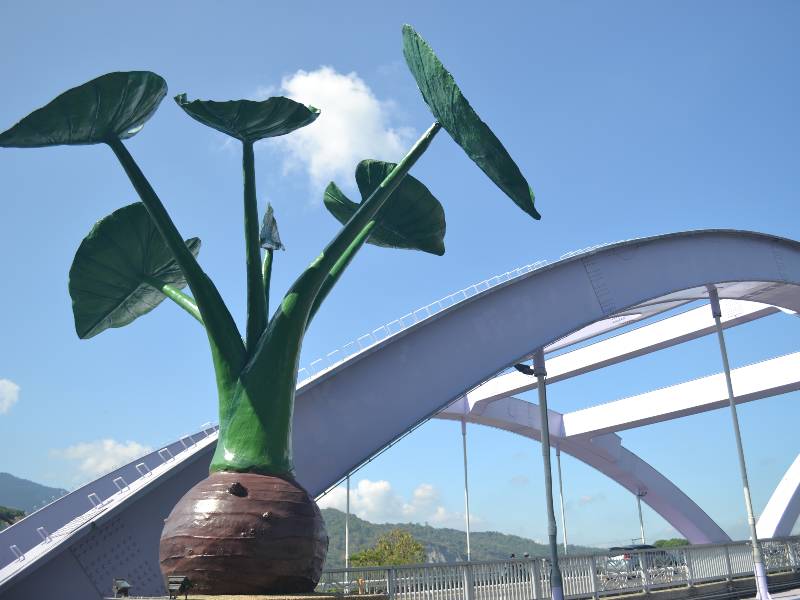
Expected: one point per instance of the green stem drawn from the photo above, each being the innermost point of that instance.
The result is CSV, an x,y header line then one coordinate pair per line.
x,y
185,302
336,272
300,297
226,344
256,417
266,275
256,308
370,207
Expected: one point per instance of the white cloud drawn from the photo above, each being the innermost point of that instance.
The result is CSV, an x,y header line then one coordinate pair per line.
x,y
9,394
98,458
353,125
591,499
425,496
371,500
377,502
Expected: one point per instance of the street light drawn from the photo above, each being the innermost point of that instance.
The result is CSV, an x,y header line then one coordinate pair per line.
x,y
538,370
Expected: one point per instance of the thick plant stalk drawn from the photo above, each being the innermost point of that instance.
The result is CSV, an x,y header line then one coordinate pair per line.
x,y
256,417
311,280
227,348
336,272
256,306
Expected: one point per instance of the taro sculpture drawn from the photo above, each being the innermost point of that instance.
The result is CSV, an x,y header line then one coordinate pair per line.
x,y
250,527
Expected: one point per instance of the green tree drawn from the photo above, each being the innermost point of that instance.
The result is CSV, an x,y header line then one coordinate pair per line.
x,y
9,516
670,543
398,547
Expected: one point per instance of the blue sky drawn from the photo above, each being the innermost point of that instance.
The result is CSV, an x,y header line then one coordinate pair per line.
x,y
628,118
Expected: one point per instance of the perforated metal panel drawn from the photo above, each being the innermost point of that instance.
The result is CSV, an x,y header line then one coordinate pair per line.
x,y
110,551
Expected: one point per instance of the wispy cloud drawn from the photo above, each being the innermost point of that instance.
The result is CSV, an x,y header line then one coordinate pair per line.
x,y
353,125
376,501
9,395
591,499
519,480
97,458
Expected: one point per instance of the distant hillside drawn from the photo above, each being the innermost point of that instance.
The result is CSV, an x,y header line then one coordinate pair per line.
x,y
441,545
25,495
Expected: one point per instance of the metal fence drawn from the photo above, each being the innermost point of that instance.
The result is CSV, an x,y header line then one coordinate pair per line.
x,y
586,576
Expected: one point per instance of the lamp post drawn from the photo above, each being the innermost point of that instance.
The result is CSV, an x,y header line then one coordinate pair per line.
x,y
538,370
758,559
466,483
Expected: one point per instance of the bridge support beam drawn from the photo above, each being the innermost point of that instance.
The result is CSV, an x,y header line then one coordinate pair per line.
x,y
759,571
347,527
466,484
639,496
561,498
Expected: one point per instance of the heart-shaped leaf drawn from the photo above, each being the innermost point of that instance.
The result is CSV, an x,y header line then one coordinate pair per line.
x,y
112,106
412,217
454,112
269,238
115,268
249,120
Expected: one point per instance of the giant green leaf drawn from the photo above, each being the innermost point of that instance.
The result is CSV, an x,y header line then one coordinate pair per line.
x,y
112,277
455,114
249,120
112,106
411,218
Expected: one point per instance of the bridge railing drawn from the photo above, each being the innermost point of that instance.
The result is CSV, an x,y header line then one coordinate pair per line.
x,y
48,525
584,576
393,327
415,316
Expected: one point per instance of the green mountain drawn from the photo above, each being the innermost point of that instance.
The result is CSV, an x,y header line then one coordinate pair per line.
x,y
441,545
25,495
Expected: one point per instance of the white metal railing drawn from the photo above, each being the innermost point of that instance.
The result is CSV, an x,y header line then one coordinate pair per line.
x,y
586,576
394,327
56,521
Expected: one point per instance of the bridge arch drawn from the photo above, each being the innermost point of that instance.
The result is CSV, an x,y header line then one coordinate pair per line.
x,y
606,454
349,412
415,374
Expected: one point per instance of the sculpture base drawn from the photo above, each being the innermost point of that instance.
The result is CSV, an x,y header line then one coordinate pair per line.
x,y
243,533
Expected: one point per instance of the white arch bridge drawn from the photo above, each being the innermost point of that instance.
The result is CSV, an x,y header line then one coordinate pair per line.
x,y
74,546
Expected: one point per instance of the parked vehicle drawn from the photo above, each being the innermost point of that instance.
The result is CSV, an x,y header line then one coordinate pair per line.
x,y
626,558
626,563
